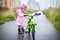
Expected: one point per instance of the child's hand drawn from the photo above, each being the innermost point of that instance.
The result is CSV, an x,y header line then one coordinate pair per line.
x,y
25,15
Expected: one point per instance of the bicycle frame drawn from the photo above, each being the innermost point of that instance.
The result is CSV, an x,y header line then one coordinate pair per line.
x,y
33,26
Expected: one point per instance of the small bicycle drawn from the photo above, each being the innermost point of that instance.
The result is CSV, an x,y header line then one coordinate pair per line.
x,y
32,25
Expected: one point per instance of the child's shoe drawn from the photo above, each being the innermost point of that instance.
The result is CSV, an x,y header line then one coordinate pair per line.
x,y
19,30
23,29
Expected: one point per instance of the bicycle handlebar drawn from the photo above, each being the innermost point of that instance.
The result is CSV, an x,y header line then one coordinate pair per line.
x,y
36,14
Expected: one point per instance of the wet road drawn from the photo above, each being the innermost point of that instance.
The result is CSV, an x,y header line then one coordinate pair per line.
x,y
44,30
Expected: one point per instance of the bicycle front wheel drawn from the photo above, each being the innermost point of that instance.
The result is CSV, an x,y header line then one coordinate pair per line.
x,y
33,32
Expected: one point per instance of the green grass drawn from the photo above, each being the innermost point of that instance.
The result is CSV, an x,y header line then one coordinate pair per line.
x,y
54,16
6,19
7,15
30,11
57,22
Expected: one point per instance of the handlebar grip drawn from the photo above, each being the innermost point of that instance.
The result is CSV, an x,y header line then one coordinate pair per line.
x,y
39,13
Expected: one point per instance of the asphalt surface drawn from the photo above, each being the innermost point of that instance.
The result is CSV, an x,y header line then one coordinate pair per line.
x,y
44,30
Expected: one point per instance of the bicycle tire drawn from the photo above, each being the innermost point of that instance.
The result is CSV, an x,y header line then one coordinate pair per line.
x,y
33,32
29,30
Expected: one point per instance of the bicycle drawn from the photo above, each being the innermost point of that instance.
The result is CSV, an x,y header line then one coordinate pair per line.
x,y
32,25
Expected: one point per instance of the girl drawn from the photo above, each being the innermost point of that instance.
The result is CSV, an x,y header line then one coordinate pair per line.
x,y
20,18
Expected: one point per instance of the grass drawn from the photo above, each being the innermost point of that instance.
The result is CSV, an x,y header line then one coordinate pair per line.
x,y
6,19
7,15
30,11
54,16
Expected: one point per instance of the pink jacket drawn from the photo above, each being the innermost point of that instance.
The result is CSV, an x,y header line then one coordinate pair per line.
x,y
20,18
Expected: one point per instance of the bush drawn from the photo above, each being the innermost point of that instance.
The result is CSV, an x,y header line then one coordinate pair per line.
x,y
30,11
1,22
57,18
54,16
57,22
6,19
4,9
57,25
